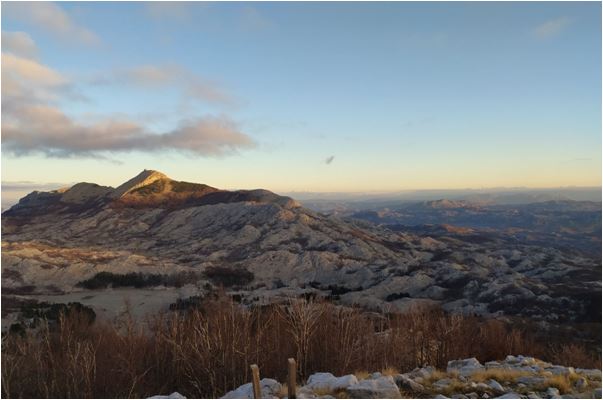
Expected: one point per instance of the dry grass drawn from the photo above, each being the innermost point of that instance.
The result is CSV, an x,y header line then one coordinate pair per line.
x,y
390,371
500,375
362,374
454,387
434,377
561,382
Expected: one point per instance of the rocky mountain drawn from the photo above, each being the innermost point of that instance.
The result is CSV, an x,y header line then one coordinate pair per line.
x,y
262,246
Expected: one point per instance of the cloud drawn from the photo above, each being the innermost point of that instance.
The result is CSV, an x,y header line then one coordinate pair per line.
x,y
51,18
26,81
552,27
32,121
252,19
176,11
154,76
47,130
19,43
329,160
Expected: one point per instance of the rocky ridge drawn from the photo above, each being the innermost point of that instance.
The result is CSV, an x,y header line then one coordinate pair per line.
x,y
516,377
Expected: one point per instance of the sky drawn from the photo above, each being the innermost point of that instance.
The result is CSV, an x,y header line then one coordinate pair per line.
x,y
293,97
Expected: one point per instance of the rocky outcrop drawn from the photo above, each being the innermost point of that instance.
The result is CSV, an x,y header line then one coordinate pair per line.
x,y
463,379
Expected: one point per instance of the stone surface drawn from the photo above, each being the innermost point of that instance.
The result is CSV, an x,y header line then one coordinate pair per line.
x,y
174,395
464,367
494,385
269,387
324,381
381,388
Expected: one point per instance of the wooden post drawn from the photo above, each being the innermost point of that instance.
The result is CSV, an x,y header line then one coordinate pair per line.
x,y
255,379
291,385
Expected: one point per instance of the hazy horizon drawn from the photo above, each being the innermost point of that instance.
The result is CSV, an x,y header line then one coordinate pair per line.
x,y
378,97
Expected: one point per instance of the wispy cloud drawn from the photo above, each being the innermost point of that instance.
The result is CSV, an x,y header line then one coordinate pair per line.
x,y
19,43
153,76
252,19
51,18
329,160
171,11
32,121
551,27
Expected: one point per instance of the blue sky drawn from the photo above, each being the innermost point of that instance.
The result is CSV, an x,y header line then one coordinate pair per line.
x,y
245,95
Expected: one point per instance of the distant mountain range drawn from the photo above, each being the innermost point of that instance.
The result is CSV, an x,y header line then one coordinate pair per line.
x,y
263,246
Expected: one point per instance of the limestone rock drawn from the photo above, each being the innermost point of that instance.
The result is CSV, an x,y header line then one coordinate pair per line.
x,y
381,388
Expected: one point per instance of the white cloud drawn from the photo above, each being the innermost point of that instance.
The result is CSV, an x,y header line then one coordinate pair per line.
x,y
26,81
19,43
51,18
552,27
32,121
153,76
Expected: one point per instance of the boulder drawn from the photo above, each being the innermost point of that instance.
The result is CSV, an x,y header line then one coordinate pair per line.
x,y
464,367
581,384
597,393
381,388
510,395
405,382
442,384
327,382
552,392
592,374
494,385
424,372
269,387
174,395
530,380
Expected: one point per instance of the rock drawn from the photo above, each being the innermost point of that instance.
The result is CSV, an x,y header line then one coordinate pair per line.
x,y
472,395
405,382
464,367
482,387
269,387
532,395
441,396
174,395
526,360
376,375
592,374
530,380
511,360
597,393
493,365
552,392
485,396
497,387
510,395
381,388
560,370
327,382
421,372
581,384
459,396
442,383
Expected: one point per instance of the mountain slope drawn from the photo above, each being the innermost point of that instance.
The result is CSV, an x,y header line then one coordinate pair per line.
x,y
153,224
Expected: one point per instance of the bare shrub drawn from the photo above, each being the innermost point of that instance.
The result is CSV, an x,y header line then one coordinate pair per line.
x,y
207,350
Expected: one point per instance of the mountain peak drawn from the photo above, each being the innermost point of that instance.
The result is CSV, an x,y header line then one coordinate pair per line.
x,y
146,177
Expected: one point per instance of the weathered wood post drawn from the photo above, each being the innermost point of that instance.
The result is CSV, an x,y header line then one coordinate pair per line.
x,y
291,385
255,379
